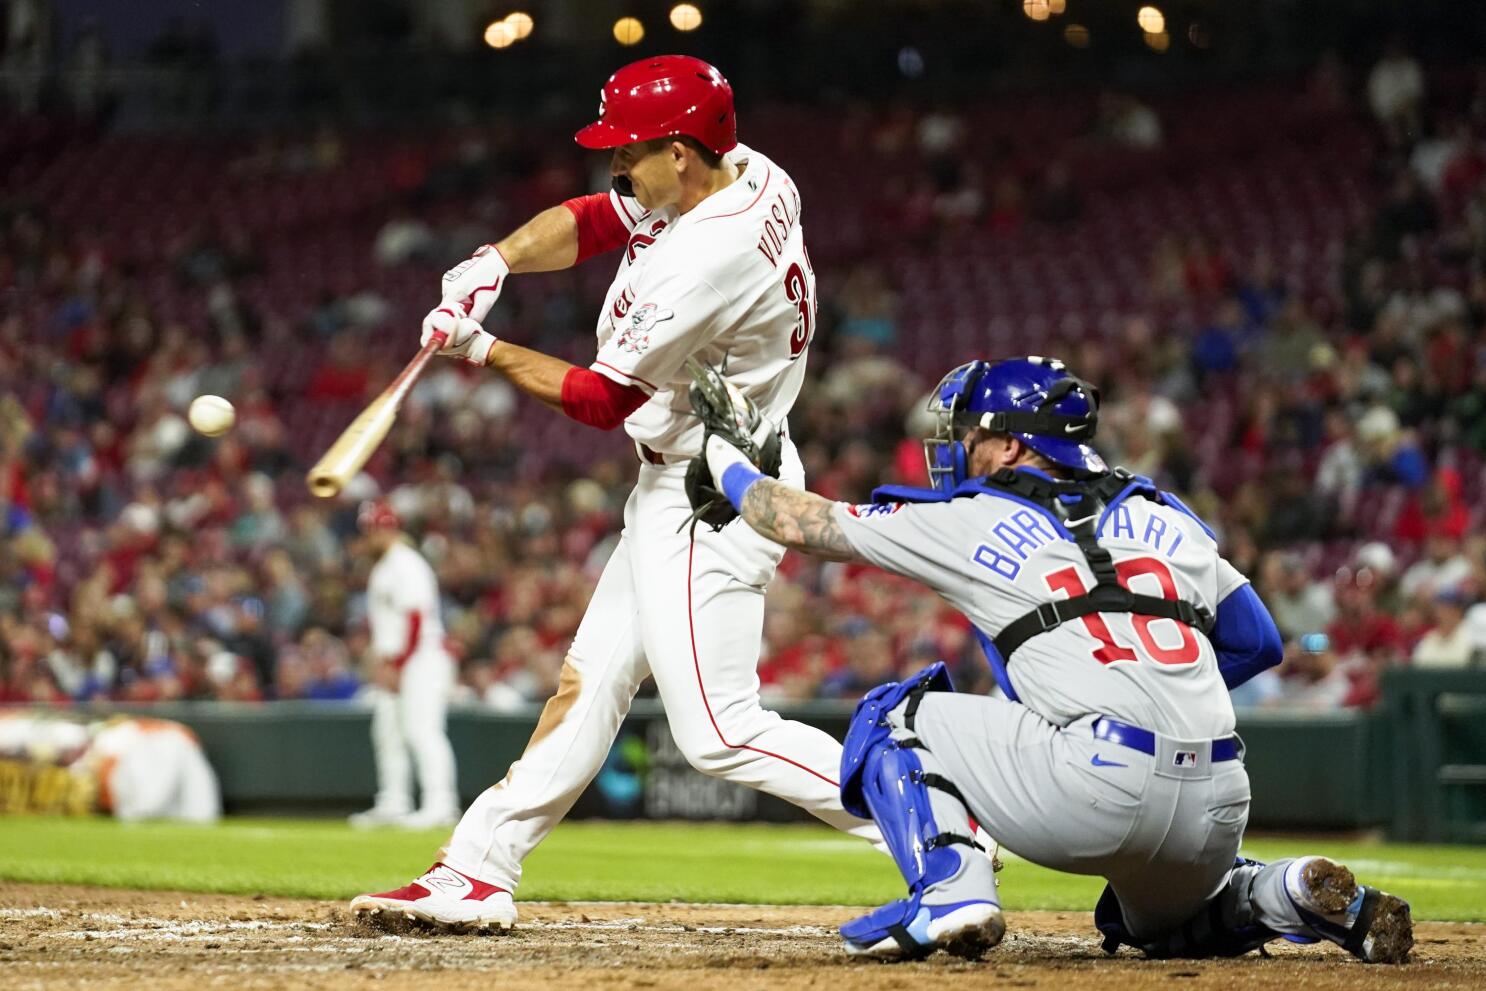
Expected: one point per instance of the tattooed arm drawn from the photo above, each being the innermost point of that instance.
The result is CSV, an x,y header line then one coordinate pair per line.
x,y
795,518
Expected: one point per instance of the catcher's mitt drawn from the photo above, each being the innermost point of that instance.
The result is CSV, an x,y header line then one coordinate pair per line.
x,y
729,414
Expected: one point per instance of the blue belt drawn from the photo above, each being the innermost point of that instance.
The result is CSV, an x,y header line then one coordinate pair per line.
x,y
1144,740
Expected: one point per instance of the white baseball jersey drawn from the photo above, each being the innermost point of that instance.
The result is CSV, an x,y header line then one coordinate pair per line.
x,y
402,605
997,558
730,283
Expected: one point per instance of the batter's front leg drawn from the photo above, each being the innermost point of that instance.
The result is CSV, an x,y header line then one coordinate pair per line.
x,y
599,678
702,627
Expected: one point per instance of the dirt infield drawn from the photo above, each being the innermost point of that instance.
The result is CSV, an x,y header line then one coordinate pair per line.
x,y
56,937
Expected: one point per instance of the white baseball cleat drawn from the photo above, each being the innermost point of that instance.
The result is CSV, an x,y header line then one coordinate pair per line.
x,y
377,818
429,819
444,899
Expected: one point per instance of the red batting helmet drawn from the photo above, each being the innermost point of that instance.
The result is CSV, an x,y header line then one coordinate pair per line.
x,y
663,97
376,514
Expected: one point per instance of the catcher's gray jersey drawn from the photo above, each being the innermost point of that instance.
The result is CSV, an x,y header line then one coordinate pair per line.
x,y
997,557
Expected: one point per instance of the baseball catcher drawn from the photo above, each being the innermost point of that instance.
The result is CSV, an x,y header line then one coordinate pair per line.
x,y
1114,630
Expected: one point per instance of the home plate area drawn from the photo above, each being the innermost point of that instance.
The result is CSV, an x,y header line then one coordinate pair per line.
x,y
65,937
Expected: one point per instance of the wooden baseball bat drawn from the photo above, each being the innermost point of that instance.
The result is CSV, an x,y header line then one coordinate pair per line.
x,y
358,442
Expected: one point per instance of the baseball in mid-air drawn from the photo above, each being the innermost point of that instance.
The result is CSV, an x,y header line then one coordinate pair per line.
x,y
211,415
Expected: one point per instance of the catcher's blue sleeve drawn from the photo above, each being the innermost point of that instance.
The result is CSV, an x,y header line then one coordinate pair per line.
x,y
1245,637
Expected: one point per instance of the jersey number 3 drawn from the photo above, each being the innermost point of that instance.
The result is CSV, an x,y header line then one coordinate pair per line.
x,y
1068,581
797,291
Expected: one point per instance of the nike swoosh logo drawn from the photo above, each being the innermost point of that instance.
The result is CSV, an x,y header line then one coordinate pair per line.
x,y
1098,761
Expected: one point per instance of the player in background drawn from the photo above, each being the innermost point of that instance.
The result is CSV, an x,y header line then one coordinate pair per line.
x,y
414,679
1114,628
712,265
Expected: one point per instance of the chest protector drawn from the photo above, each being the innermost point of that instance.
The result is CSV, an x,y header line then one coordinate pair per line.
x,y
1077,504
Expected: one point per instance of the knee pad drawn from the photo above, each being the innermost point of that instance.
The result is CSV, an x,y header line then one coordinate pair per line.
x,y
869,729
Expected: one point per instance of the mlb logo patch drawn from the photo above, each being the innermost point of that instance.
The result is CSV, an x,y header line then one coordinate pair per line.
x,y
1184,758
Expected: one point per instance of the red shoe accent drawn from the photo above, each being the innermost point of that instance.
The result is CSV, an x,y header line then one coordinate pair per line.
x,y
407,893
479,890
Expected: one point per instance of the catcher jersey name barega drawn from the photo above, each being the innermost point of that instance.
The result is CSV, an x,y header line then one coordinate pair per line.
x,y
683,289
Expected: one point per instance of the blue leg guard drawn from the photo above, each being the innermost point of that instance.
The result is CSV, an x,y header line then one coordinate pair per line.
x,y
951,901
869,727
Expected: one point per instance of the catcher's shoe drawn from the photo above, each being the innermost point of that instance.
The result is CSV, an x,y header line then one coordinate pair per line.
x,y
909,929
1372,925
444,899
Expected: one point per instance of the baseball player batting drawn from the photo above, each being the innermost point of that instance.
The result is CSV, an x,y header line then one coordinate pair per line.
x,y
712,265
416,678
1114,629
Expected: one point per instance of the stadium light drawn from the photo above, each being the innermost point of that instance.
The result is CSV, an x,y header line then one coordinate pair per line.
x,y
519,23
1151,21
1037,10
1076,35
686,17
498,34
1056,7
628,31
1158,41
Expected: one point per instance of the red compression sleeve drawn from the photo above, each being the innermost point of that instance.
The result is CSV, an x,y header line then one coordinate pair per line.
x,y
599,227
590,398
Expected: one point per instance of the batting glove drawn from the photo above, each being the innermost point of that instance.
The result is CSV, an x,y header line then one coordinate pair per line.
x,y
463,337
474,284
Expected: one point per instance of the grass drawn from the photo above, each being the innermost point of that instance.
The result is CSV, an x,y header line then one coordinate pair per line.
x,y
702,862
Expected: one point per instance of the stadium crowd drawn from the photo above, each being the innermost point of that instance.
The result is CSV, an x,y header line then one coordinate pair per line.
x,y
141,562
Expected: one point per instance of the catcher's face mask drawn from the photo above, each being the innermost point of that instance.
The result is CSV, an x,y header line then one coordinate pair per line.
x,y
944,453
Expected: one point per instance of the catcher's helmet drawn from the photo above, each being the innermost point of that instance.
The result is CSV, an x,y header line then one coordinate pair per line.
x,y
1035,400
664,97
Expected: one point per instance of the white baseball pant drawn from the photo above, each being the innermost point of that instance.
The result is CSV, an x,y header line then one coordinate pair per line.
x,y
686,607
410,723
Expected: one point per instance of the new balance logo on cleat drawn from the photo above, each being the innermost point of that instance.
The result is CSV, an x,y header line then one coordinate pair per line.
x,y
447,881
442,899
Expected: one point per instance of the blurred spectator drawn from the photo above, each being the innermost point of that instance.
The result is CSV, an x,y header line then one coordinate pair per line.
x,y
868,308
1395,87
403,239
1123,120
1298,604
1311,677
1392,455
1442,569
1448,644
